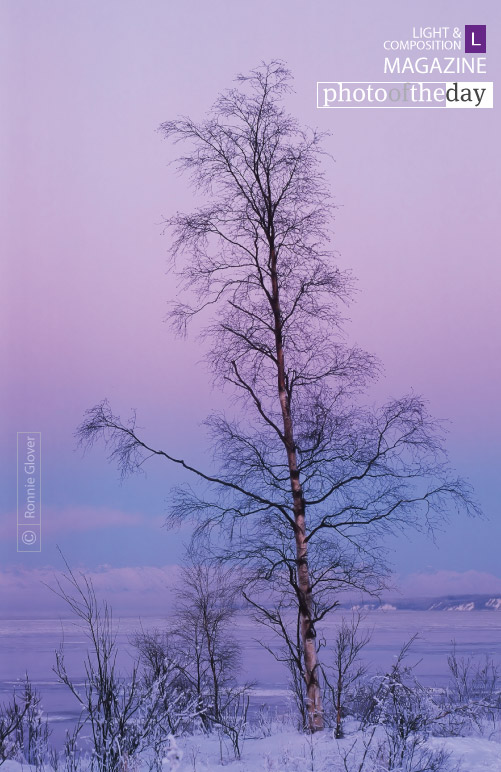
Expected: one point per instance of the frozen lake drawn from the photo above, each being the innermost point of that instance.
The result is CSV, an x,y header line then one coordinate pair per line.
x,y
29,645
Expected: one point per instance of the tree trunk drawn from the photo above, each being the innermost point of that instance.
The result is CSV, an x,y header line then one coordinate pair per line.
x,y
307,629
339,733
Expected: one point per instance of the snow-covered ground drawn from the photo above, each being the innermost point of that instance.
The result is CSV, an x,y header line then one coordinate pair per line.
x,y
290,751
293,752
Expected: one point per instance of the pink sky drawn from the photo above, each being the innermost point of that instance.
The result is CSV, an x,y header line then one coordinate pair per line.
x,y
86,184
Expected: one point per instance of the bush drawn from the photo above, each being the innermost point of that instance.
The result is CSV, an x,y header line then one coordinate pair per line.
x,y
24,733
125,714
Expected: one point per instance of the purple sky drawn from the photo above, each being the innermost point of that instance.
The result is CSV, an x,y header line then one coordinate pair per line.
x,y
86,184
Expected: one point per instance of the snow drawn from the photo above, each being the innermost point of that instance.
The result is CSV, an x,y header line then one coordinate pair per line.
x,y
290,751
462,607
475,754
293,752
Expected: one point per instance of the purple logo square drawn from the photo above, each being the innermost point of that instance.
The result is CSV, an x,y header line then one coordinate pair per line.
x,y
475,39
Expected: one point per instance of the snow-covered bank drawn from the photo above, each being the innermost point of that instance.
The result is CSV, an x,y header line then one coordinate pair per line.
x,y
290,751
294,752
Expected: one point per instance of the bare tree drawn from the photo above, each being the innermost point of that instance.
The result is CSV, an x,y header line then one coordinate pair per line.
x,y
408,712
201,643
11,717
205,610
125,714
22,727
32,734
306,466
347,669
274,605
473,696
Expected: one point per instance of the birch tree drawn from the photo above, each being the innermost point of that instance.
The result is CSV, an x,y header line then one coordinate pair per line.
x,y
305,479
